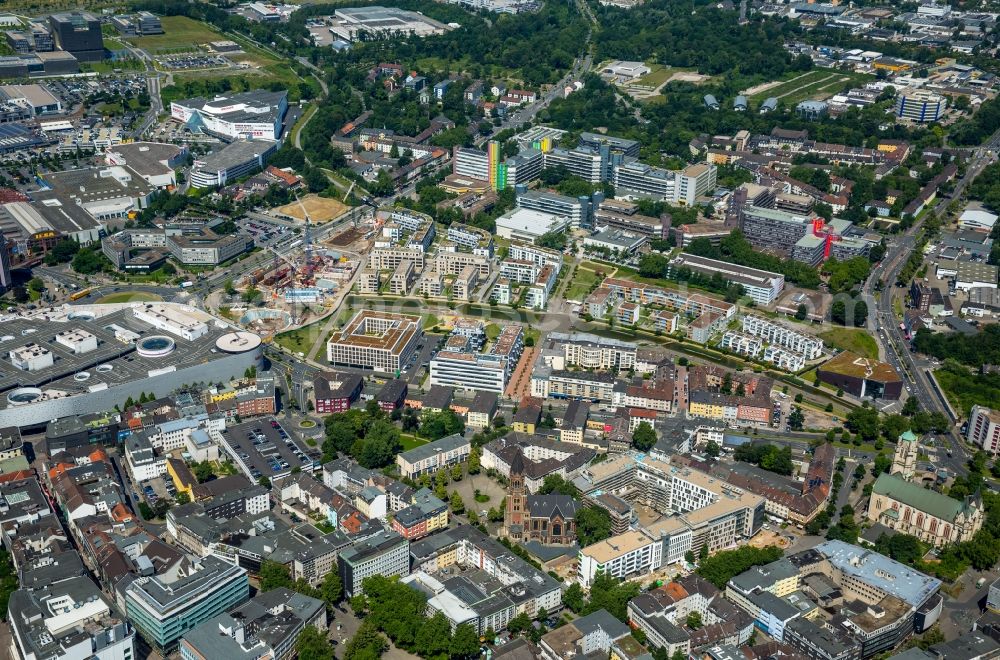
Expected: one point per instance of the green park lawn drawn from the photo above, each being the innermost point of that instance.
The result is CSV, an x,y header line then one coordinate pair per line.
x,y
129,296
854,340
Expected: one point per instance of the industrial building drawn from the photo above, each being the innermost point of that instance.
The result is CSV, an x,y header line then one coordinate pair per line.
x,y
354,23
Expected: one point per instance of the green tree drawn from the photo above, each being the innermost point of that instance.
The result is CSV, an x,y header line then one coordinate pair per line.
x,y
331,588
573,597
313,645
796,419
182,498
609,593
273,575
644,437
722,566
801,312
456,503
694,620
593,524
555,483
712,449
464,642
367,644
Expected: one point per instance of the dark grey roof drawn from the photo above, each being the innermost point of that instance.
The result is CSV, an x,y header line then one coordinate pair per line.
x,y
601,620
548,506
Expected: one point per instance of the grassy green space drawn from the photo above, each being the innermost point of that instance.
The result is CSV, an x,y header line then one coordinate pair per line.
x,y
431,321
409,441
300,339
816,83
583,281
492,331
129,296
657,76
855,340
179,32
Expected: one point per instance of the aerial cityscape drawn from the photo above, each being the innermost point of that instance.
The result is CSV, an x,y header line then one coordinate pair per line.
x,y
499,329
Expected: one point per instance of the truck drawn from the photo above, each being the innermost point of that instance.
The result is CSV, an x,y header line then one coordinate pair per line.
x,y
186,284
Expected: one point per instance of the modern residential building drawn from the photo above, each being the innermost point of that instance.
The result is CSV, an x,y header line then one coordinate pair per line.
x,y
775,333
336,391
984,429
382,341
431,457
386,553
934,518
632,554
164,606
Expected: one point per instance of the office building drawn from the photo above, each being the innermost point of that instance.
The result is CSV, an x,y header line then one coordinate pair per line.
x,y
861,376
472,163
588,165
164,606
762,286
78,33
381,341
908,508
552,203
527,225
386,553
919,105
525,167
695,181
634,180
984,429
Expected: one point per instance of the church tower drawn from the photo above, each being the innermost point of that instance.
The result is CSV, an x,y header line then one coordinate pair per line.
x,y
904,461
515,514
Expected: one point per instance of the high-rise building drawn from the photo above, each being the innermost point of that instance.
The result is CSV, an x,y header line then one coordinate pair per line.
x,y
78,33
6,282
984,429
920,105
386,553
904,460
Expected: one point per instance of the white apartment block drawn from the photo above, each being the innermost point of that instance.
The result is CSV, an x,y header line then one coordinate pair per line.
x,y
984,429
472,163
742,344
469,371
537,255
784,359
453,263
390,258
627,555
775,333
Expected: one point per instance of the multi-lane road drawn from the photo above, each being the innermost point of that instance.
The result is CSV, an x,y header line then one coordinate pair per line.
x,y
893,345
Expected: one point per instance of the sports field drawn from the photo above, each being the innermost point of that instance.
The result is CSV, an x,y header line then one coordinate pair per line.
x,y
320,209
817,84
179,33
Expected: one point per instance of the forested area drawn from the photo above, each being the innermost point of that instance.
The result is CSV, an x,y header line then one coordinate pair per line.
x,y
735,249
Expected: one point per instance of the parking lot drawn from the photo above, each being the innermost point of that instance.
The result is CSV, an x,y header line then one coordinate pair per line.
x,y
190,61
262,448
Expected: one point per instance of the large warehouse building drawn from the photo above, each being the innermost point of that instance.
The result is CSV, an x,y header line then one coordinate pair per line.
x,y
255,115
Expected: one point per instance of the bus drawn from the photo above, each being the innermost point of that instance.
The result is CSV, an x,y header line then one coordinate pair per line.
x,y
80,294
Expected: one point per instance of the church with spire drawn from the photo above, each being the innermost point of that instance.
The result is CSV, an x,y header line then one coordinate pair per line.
x,y
548,519
903,505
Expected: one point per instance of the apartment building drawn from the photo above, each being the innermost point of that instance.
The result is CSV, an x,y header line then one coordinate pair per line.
x,y
984,429
919,105
389,258
762,286
588,165
386,553
587,351
433,456
381,341
335,392
775,333
629,555
560,384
